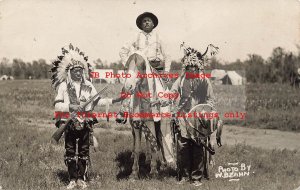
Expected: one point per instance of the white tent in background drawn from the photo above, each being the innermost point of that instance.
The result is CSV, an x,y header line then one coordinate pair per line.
x,y
103,78
232,78
217,74
4,77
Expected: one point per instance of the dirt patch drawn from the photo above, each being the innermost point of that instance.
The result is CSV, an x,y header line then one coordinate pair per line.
x,y
261,138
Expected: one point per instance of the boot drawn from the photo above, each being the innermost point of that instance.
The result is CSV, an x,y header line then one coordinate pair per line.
x,y
72,168
83,168
81,184
72,184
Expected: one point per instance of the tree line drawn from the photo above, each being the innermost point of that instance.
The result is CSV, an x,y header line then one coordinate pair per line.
x,y
25,70
278,68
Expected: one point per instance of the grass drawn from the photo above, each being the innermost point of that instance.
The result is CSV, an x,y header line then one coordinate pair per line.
x,y
29,161
27,155
273,106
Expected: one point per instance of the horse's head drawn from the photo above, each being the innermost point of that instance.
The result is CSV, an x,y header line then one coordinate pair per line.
x,y
134,66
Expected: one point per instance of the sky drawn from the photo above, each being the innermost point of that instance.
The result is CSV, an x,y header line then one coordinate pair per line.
x,y
34,29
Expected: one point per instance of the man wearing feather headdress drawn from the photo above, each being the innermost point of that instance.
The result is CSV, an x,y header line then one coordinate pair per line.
x,y
193,91
71,79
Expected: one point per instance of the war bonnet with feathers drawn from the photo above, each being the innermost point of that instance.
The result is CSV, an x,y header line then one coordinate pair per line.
x,y
193,57
71,58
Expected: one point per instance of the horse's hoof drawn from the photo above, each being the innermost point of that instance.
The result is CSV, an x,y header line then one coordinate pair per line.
x,y
148,158
153,174
163,166
206,177
133,176
131,179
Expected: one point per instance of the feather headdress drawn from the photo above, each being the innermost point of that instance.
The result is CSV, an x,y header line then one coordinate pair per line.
x,y
71,57
193,57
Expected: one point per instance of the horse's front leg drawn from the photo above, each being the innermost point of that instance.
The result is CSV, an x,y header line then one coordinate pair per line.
x,y
137,149
151,137
133,142
148,150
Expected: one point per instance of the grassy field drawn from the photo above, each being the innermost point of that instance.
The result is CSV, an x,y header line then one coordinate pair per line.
x,y
29,161
273,106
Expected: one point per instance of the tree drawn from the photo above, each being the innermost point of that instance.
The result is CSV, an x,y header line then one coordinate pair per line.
x,y
16,68
214,64
99,64
37,73
44,68
275,63
255,68
29,71
4,67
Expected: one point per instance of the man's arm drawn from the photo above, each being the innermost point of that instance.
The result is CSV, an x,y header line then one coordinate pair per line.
x,y
59,103
166,56
210,94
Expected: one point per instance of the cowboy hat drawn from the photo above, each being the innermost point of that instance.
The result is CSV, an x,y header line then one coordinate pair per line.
x,y
140,18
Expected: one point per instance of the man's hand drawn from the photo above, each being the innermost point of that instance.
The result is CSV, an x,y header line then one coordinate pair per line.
x,y
117,99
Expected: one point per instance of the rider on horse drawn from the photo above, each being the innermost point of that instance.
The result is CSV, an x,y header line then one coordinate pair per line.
x,y
148,43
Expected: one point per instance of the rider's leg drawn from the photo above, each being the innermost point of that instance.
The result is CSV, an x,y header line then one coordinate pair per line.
x,y
136,125
149,130
148,150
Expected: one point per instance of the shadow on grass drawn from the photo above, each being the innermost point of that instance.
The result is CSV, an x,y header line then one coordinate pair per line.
x,y
125,162
63,176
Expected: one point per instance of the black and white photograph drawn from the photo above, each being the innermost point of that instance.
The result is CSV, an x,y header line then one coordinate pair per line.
x,y
150,95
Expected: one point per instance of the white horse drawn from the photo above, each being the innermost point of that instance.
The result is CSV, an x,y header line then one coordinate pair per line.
x,y
145,109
